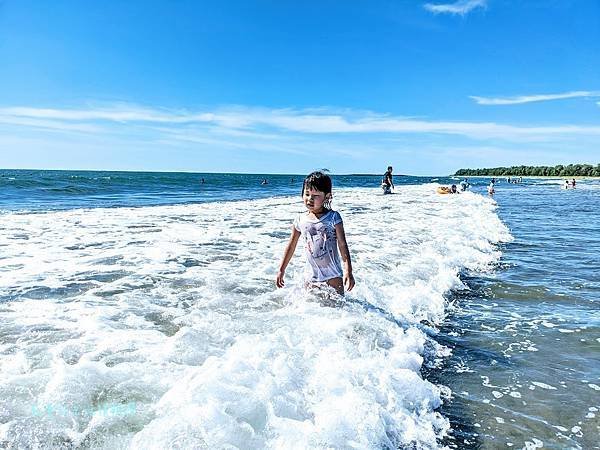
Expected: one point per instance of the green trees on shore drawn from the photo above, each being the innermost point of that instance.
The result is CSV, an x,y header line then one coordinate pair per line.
x,y
572,170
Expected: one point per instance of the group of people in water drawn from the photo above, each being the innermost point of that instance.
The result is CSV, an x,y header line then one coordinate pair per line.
x,y
387,184
491,187
453,189
464,185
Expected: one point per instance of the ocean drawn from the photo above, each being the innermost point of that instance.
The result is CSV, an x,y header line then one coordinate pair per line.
x,y
139,310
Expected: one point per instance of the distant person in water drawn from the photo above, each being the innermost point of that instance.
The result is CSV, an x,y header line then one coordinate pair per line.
x,y
447,190
387,183
202,181
322,231
490,188
573,183
265,181
464,184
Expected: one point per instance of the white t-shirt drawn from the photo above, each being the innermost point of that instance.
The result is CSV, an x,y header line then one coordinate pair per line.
x,y
322,257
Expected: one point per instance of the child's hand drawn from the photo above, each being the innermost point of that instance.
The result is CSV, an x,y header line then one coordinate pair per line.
x,y
349,281
280,283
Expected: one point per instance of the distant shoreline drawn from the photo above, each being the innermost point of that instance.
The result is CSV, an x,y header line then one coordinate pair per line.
x,y
553,177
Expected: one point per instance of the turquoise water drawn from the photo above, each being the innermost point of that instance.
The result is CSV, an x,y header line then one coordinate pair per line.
x,y
161,274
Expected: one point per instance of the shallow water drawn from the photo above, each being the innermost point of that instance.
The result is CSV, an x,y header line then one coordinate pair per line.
x,y
525,368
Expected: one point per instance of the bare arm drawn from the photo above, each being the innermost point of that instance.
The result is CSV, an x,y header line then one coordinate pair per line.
x,y
345,253
287,255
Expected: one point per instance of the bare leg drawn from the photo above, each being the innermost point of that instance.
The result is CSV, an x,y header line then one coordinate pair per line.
x,y
337,284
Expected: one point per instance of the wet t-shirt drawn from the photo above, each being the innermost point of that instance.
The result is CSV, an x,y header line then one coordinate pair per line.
x,y
320,241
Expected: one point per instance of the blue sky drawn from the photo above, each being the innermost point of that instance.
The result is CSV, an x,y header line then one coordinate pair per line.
x,y
289,86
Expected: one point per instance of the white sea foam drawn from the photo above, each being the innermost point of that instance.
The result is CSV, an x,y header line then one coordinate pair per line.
x,y
543,385
160,327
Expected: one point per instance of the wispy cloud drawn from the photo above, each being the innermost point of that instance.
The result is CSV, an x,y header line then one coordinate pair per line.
x,y
116,136
270,124
533,98
116,113
47,124
460,7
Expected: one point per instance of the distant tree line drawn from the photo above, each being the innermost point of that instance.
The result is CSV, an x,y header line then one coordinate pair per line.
x,y
572,170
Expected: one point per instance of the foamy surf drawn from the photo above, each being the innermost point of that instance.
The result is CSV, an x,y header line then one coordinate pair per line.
x,y
160,327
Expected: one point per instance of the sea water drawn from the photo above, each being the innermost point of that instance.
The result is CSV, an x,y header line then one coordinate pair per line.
x,y
139,311
525,337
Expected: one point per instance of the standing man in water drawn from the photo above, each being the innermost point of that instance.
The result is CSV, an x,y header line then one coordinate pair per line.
x,y
387,184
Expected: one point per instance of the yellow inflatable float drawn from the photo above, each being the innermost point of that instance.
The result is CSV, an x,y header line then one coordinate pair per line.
x,y
444,190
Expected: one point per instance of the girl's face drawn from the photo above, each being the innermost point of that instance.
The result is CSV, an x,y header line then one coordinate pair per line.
x,y
314,200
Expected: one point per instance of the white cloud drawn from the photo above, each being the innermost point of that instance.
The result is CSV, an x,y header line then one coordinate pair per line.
x,y
274,124
49,125
460,7
118,113
218,139
533,98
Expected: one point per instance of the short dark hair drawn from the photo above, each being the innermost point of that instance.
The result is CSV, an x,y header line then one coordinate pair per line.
x,y
390,168
319,181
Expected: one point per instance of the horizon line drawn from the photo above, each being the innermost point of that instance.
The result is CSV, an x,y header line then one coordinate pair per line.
x,y
209,173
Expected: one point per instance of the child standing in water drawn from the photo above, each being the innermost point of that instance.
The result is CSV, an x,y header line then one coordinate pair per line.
x,y
321,229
